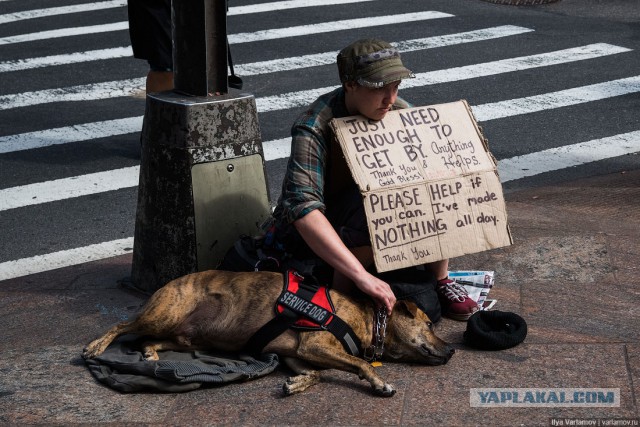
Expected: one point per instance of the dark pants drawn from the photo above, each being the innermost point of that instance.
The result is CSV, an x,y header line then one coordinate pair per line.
x,y
348,218
150,32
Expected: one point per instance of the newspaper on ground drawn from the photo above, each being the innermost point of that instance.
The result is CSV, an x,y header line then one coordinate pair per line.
x,y
478,284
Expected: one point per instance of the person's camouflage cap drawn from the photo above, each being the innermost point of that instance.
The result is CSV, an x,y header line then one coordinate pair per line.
x,y
371,63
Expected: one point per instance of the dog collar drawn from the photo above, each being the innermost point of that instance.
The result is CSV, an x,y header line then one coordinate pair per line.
x,y
376,349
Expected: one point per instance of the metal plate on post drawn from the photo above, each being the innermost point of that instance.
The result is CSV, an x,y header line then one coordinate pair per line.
x,y
230,199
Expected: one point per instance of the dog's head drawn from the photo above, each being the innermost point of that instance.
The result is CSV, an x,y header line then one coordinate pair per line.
x,y
410,337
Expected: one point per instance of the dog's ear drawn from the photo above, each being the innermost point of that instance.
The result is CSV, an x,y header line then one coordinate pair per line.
x,y
410,307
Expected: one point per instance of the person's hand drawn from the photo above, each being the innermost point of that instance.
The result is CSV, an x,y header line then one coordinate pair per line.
x,y
322,238
377,289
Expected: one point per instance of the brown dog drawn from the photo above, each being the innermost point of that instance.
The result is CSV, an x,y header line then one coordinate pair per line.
x,y
222,310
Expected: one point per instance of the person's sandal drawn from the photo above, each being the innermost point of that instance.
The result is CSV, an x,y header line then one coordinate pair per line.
x,y
455,301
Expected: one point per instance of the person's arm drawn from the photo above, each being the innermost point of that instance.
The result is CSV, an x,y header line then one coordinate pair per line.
x,y
317,231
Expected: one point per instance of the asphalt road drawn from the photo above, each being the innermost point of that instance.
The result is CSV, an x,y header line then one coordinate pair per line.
x,y
555,88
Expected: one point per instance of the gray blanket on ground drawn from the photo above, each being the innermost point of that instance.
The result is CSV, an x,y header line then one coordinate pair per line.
x,y
122,368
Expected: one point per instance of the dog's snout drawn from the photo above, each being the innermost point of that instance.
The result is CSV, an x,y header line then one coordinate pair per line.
x,y
451,351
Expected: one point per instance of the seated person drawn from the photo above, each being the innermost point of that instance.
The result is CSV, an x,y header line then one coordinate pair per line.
x,y
320,212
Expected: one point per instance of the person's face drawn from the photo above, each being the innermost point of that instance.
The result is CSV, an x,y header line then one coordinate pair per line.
x,y
373,103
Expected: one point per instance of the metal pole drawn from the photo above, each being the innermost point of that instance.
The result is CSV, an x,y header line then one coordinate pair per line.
x,y
199,31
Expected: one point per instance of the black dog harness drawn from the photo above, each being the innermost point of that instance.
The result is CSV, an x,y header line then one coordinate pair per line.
x,y
305,305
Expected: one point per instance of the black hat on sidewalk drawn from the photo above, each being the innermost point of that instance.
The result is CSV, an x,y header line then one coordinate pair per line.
x,y
495,330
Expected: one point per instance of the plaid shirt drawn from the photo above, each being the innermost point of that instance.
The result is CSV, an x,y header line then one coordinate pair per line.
x,y
306,179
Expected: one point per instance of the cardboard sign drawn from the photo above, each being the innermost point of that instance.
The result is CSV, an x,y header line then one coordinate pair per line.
x,y
430,186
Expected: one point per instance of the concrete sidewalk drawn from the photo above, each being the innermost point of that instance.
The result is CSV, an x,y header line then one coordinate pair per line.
x,y
573,274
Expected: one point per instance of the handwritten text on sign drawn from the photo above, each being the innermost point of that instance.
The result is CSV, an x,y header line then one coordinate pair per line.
x,y
429,184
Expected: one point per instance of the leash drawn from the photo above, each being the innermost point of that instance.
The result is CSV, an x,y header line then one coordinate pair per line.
x,y
376,349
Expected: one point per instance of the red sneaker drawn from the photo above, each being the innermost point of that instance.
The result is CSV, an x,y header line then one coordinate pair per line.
x,y
455,301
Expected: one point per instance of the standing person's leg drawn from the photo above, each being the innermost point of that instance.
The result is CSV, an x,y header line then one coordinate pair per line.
x,y
150,33
159,81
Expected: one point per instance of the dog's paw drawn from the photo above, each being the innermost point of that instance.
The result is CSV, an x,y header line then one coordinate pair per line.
x,y
300,383
150,355
91,351
289,388
387,390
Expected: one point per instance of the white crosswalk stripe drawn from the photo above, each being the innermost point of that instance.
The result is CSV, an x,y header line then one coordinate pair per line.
x,y
91,92
67,134
272,34
40,263
326,58
562,98
64,32
54,11
285,5
65,188
325,27
568,156
65,59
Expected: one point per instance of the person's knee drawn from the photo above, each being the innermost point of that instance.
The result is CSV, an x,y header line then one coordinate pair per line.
x,y
364,254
